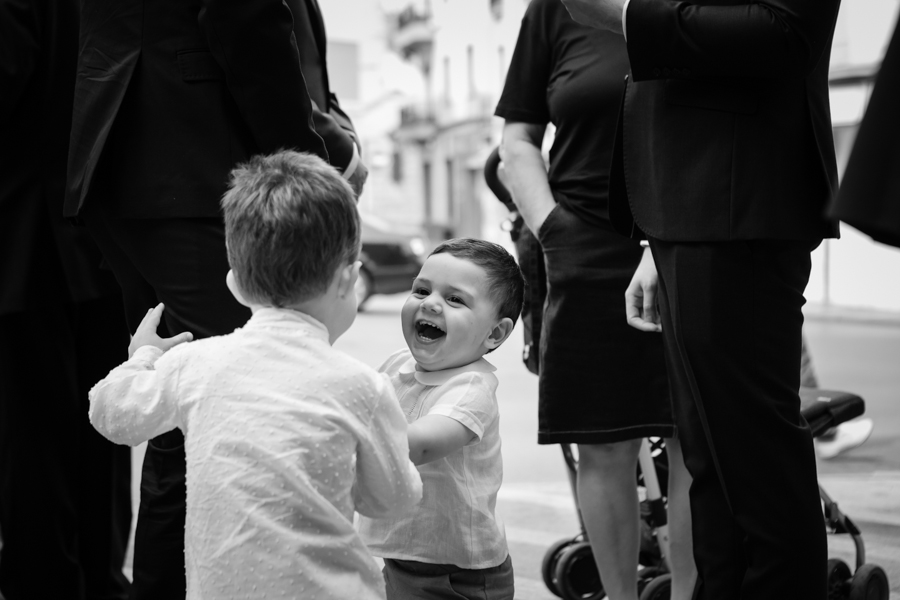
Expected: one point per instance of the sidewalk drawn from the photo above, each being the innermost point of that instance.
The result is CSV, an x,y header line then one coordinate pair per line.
x,y
860,316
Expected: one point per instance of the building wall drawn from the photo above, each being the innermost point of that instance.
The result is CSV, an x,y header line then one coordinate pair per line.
x,y
854,271
472,43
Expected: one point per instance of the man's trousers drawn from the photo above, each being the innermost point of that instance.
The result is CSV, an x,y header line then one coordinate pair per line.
x,y
182,263
731,317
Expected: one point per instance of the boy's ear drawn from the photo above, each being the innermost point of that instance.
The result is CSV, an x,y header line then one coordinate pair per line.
x,y
347,276
235,290
499,333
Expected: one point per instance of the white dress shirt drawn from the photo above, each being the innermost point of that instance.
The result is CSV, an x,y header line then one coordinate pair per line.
x,y
285,437
455,522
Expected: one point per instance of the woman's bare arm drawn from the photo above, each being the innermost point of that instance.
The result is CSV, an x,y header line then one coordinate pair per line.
x,y
524,174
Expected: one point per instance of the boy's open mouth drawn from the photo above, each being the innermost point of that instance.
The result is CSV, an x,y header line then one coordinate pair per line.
x,y
429,331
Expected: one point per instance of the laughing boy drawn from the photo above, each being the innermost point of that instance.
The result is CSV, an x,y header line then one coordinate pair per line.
x,y
464,304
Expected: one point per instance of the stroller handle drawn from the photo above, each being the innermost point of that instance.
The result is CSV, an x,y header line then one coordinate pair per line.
x,y
493,180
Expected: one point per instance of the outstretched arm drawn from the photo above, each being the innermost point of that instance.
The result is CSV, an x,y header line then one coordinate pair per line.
x,y
435,436
136,402
387,484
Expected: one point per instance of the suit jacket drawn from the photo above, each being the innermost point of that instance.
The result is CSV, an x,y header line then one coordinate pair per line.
x,y
331,122
171,94
869,198
43,259
725,131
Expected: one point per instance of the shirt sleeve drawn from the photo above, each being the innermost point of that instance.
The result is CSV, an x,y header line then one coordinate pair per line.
x,y
524,97
753,39
255,45
469,399
387,483
136,401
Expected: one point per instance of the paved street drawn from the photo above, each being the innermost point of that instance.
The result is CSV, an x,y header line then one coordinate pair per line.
x,y
535,501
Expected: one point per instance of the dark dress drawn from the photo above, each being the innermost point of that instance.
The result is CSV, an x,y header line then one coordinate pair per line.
x,y
601,380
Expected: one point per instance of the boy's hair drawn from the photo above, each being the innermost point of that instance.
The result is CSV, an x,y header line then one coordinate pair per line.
x,y
290,222
506,284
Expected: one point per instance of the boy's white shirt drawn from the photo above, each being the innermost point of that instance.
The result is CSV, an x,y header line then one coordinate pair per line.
x,y
455,523
285,438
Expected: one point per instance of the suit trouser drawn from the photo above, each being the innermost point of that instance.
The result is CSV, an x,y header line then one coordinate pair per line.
x,y
182,263
732,319
65,492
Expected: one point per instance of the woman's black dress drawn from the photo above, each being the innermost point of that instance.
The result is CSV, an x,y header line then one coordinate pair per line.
x,y
601,380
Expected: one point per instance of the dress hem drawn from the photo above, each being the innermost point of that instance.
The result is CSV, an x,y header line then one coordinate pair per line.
x,y
605,437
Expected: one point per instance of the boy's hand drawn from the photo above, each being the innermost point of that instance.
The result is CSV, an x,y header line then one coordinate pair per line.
x,y
146,333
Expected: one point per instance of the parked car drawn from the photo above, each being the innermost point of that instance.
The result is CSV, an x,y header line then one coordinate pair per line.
x,y
391,258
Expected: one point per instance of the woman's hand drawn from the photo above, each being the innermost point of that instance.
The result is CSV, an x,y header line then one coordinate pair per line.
x,y
640,297
146,333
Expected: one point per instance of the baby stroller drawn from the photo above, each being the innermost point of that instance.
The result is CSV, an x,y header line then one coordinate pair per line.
x,y
568,568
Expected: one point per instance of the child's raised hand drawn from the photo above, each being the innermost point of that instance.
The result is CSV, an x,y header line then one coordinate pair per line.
x,y
146,333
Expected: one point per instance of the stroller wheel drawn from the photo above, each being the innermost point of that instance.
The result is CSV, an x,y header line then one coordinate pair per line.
x,y
838,579
548,565
659,588
576,574
646,575
869,583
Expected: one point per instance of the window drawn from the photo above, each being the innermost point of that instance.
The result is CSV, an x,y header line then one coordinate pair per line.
x,y
497,9
447,79
470,69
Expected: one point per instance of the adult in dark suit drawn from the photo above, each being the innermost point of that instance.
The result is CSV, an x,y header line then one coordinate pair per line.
x,y
65,492
170,96
725,163
869,198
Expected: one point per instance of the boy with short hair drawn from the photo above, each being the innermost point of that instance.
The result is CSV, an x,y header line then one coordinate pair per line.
x,y
464,304
285,436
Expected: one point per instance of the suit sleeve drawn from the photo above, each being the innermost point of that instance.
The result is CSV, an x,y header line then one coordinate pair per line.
x,y
337,132
253,42
766,39
19,50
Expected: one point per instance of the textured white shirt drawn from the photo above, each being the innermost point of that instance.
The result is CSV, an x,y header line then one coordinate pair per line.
x,y
285,437
455,522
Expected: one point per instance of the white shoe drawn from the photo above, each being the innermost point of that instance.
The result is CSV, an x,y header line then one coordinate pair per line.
x,y
848,435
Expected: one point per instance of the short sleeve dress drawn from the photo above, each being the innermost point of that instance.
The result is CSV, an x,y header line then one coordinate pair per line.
x,y
601,380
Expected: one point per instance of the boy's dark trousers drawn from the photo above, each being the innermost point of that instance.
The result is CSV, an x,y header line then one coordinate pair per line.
x,y
731,319
413,580
182,263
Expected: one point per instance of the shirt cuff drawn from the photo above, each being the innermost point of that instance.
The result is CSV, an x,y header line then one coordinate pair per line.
x,y
350,169
147,354
624,12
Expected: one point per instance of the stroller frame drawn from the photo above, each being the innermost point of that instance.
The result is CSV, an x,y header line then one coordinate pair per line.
x,y
569,572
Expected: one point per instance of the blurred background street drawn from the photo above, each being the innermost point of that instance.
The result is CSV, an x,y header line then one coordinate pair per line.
x,y
855,352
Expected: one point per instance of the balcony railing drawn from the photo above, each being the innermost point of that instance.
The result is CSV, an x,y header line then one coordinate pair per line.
x,y
414,33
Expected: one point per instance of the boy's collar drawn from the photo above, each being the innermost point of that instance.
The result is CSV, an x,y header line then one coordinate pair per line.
x,y
268,315
441,377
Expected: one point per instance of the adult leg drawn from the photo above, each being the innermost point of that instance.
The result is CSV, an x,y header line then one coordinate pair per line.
x,y
39,415
607,495
681,546
104,472
181,262
732,322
